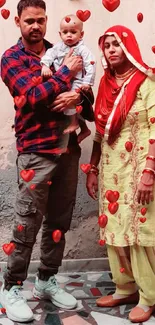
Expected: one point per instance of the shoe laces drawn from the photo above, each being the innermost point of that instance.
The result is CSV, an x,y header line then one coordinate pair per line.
x,y
54,286
15,294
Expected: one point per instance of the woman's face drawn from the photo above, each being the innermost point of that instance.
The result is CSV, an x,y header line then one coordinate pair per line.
x,y
113,52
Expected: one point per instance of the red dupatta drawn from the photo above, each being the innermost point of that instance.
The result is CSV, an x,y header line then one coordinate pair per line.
x,y
113,103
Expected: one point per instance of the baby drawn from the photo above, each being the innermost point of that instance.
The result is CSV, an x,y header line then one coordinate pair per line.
x,y
71,33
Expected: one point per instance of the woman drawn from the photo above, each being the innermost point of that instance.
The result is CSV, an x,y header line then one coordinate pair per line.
x,y
125,147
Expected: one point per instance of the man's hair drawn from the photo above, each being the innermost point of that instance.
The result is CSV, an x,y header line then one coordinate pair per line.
x,y
23,4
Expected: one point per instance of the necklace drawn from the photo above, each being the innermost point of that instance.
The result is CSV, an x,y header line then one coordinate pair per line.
x,y
124,75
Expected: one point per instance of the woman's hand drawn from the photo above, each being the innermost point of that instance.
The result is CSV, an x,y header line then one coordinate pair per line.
x,y
145,192
92,185
64,101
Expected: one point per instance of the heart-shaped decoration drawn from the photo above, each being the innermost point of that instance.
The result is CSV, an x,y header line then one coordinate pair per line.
x,y
56,235
113,207
102,220
3,310
101,242
27,175
92,62
152,120
37,80
112,196
142,219
136,113
122,269
20,101
49,183
143,211
111,5
2,3
83,15
20,228
67,19
77,90
8,248
128,146
141,148
5,13
19,282
140,17
79,109
85,168
153,48
32,186
151,141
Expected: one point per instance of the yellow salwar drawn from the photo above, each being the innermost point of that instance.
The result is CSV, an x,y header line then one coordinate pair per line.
x,y
139,268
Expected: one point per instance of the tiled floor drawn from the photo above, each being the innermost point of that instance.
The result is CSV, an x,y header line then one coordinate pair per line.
x,y
86,287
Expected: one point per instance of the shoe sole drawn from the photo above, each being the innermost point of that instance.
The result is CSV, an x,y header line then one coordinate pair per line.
x,y
37,295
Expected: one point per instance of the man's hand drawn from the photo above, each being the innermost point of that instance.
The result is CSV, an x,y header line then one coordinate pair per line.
x,y
92,185
73,62
64,101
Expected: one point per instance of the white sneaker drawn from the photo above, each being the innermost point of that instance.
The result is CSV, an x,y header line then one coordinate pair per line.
x,y
15,304
51,290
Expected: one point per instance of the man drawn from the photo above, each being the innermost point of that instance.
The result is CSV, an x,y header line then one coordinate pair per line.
x,y
41,144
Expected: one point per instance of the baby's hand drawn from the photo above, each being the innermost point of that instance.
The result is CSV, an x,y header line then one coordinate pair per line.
x,y
85,88
46,72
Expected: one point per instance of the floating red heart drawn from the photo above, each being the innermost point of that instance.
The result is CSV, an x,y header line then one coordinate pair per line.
x,y
78,90
113,207
143,211
128,146
140,17
83,15
153,49
92,62
2,3
136,113
67,19
20,228
37,80
27,175
142,219
85,168
79,109
141,148
122,269
111,5
8,248
19,282
152,120
56,235
102,220
32,186
101,242
20,101
3,310
5,13
49,183
112,196
151,141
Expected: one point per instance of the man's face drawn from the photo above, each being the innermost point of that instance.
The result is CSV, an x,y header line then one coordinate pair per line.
x,y
32,23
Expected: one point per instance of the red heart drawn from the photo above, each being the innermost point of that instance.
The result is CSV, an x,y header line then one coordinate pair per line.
x,y
113,207
5,13
128,146
122,269
3,310
137,113
143,211
67,19
152,120
78,90
142,219
141,148
85,168
27,175
8,248
56,235
20,228
2,3
151,141
83,15
92,62
20,101
32,186
111,5
140,17
153,49
19,282
101,242
79,109
37,80
112,196
49,183
102,220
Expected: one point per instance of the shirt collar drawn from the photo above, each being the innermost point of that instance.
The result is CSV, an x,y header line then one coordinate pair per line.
x,y
22,47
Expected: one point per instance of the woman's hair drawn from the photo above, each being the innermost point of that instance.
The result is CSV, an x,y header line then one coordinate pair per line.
x,y
23,4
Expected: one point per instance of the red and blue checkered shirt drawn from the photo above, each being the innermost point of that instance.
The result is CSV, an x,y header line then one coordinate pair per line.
x,y
37,128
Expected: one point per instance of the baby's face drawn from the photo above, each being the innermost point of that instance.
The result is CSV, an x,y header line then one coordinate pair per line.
x,y
71,32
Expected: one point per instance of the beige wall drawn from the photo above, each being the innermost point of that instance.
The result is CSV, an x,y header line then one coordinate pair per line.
x,y
100,20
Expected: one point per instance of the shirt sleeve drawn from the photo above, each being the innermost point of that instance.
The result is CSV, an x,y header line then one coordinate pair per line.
x,y
89,64
148,96
18,77
49,57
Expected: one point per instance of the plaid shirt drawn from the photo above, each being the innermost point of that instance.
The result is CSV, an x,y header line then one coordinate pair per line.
x,y
37,128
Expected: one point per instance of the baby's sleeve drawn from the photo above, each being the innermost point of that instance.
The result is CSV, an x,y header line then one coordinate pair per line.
x,y
89,64
49,57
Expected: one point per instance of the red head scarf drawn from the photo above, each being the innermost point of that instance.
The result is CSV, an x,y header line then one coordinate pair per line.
x,y
113,102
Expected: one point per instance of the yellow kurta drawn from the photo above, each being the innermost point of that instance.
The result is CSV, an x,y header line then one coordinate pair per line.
x,y
121,170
